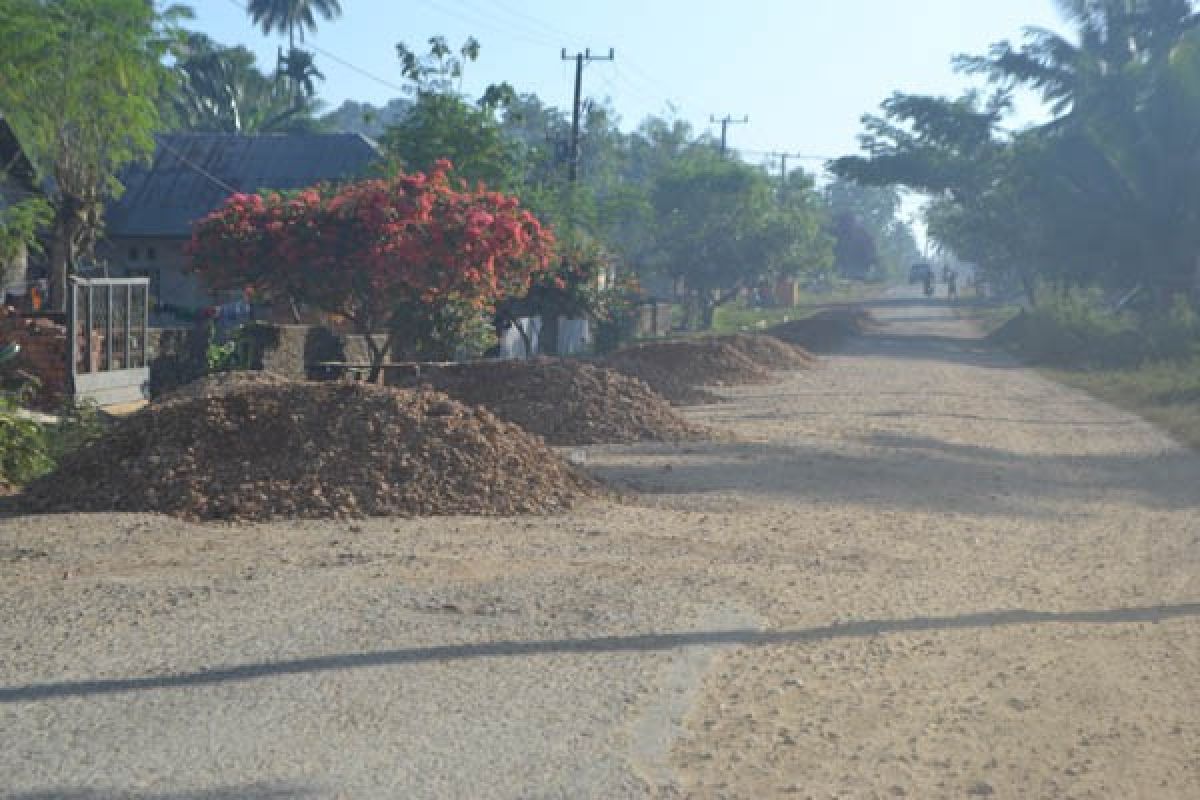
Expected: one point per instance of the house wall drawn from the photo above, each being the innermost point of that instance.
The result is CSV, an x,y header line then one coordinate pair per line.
x,y
163,261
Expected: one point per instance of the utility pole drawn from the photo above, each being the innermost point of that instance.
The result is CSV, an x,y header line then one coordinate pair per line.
x,y
783,170
580,59
725,123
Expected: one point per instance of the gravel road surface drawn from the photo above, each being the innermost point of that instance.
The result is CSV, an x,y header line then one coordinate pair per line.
x,y
917,571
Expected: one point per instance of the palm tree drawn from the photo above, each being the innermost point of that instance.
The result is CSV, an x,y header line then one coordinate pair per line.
x,y
290,16
1120,155
220,90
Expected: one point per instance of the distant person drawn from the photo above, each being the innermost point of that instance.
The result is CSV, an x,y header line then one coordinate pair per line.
x,y
952,284
929,283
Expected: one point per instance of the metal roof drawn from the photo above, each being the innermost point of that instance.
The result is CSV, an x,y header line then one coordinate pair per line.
x,y
191,174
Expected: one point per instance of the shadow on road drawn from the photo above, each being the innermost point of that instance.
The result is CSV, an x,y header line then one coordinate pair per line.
x,y
906,471
253,792
650,642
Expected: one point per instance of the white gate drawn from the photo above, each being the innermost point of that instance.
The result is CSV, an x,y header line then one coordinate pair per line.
x,y
107,339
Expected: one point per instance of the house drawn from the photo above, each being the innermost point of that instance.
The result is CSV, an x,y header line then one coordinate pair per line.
x,y
18,181
190,176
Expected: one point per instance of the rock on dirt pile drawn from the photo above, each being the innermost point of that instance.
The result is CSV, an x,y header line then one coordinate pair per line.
x,y
824,331
311,450
769,351
677,368
564,401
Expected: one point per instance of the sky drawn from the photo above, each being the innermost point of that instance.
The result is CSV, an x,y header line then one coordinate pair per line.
x,y
803,72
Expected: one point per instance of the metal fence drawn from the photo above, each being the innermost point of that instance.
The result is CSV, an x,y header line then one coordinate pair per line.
x,y
107,319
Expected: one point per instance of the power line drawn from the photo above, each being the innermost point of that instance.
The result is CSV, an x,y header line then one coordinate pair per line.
x,y
466,15
199,170
486,12
550,30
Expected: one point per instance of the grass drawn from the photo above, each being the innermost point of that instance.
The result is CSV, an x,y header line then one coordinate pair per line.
x,y
1166,391
731,318
736,317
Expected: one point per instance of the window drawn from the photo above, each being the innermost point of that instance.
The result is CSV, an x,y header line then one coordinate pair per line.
x,y
133,254
151,254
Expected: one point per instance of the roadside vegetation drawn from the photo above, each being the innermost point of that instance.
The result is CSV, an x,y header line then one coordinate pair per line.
x,y
740,316
31,446
1141,359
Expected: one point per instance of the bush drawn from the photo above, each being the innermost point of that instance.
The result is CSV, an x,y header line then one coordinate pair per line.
x,y
24,444
30,449
1078,331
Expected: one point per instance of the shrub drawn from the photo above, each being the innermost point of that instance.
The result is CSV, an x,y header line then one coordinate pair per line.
x,y
1078,331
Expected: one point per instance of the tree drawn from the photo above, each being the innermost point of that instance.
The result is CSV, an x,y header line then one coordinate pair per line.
x,y
722,228
442,124
1106,193
291,16
79,82
876,210
854,250
413,255
220,89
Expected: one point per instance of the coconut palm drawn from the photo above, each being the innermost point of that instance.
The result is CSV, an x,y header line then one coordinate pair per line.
x,y
291,16
219,89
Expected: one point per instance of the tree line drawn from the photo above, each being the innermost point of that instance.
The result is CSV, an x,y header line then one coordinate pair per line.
x,y
87,83
1104,193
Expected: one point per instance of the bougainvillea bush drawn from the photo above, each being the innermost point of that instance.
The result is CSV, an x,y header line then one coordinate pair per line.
x,y
421,256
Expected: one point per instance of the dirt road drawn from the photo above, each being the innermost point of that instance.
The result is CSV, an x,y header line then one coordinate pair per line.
x,y
920,571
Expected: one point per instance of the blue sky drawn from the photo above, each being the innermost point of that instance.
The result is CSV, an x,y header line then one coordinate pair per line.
x,y
803,71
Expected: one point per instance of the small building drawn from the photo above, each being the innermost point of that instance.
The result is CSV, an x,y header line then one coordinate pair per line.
x,y
190,176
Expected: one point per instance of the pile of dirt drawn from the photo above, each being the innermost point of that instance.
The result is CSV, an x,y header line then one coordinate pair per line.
x,y
222,383
675,369
824,331
311,450
565,401
769,351
662,380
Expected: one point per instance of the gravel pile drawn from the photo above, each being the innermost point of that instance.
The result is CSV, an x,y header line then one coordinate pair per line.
x,y
223,383
663,380
824,331
675,369
566,402
311,450
769,351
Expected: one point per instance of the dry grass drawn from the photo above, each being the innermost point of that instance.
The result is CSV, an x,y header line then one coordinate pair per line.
x,y
1166,393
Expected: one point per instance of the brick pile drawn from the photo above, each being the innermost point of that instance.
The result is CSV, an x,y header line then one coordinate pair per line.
x,y
43,344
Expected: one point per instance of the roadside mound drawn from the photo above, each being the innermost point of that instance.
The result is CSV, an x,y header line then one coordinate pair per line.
x,y
769,351
564,401
311,450
676,368
663,380
826,330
